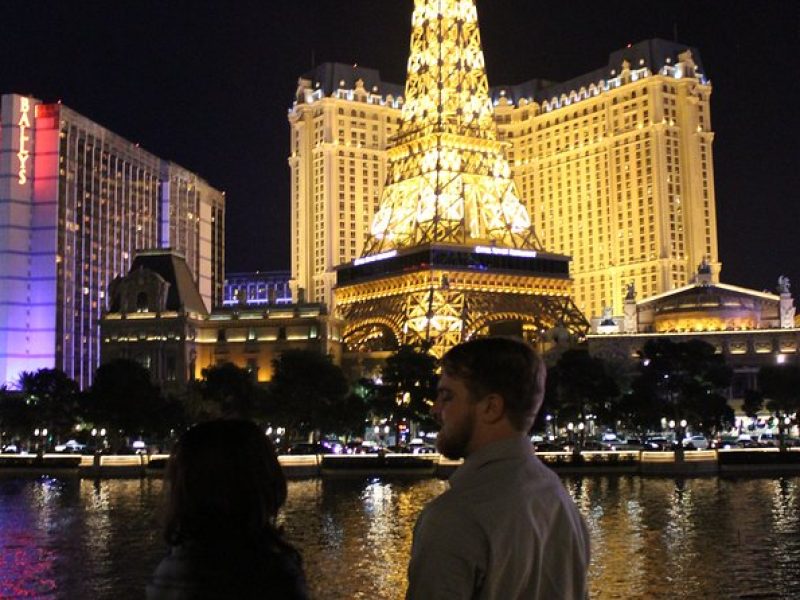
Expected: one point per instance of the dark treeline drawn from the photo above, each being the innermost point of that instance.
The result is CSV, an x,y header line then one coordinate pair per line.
x,y
308,397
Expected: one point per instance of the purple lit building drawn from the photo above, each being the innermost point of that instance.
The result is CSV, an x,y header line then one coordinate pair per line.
x,y
257,288
76,202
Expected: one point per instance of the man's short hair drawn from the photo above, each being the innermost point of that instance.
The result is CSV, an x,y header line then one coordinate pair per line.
x,y
508,367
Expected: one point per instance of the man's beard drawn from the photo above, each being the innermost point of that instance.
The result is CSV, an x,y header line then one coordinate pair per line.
x,y
453,445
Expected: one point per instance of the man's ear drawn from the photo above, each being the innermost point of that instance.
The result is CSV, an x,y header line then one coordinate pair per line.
x,y
493,409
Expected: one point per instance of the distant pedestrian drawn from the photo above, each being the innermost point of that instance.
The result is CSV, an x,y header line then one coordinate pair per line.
x,y
506,529
223,489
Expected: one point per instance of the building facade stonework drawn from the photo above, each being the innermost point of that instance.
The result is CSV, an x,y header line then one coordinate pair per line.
x,y
615,168
157,318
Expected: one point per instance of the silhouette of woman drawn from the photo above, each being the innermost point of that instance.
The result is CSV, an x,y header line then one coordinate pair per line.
x,y
223,489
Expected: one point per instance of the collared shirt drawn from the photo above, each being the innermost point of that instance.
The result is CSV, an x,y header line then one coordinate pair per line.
x,y
505,530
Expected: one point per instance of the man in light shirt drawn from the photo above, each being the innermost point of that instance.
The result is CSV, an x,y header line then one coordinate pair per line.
x,y
506,529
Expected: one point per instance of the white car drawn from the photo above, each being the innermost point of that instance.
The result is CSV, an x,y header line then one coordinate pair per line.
x,y
70,446
696,442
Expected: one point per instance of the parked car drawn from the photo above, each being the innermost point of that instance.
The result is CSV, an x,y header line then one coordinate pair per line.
x,y
321,447
332,446
766,440
696,442
354,447
548,447
359,447
419,446
746,441
422,449
598,446
71,447
139,447
657,443
630,444
307,448
10,449
725,442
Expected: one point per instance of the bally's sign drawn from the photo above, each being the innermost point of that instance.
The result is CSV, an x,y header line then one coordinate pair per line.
x,y
24,124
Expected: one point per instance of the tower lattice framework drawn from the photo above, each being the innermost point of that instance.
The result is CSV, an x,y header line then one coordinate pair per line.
x,y
449,190
448,178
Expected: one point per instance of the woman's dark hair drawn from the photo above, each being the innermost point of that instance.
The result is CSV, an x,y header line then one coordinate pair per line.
x,y
223,480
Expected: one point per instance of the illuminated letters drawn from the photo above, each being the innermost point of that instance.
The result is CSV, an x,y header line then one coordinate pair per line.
x,y
24,125
505,251
368,259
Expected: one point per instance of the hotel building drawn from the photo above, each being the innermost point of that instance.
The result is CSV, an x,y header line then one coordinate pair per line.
x,y
76,202
614,167
156,317
749,328
341,123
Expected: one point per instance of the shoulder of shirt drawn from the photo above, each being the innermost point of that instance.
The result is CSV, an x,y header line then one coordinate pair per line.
x,y
449,505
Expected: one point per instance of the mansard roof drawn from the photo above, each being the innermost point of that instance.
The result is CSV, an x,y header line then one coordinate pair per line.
x,y
708,295
171,266
330,75
653,54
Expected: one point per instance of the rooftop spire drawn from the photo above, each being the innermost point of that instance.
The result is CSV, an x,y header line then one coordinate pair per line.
x,y
448,179
446,85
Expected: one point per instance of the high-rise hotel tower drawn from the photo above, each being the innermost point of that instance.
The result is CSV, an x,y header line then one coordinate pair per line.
x,y
614,167
76,202
341,123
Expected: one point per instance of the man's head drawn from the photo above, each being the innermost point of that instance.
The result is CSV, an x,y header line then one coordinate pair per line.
x,y
490,388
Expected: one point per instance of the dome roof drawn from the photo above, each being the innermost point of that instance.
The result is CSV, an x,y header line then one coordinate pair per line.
x,y
712,307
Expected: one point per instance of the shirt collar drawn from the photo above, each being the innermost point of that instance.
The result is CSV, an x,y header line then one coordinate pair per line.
x,y
514,447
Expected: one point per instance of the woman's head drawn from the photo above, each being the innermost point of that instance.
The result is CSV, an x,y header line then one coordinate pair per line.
x,y
223,480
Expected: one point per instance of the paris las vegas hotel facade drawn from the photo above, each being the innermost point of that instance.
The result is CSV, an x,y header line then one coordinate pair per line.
x,y
76,203
614,167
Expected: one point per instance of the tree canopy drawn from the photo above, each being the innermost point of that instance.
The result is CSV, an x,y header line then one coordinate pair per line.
x,y
682,381
50,400
408,387
226,391
579,387
780,386
123,399
309,394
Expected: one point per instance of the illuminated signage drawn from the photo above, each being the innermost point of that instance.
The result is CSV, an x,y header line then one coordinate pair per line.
x,y
24,125
368,259
505,251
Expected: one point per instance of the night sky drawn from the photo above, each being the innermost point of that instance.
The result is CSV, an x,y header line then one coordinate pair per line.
x,y
207,84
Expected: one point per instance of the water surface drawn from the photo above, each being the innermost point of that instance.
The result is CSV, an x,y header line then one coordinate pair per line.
x,y
652,538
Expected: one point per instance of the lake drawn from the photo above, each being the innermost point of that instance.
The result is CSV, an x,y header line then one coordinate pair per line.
x,y
652,537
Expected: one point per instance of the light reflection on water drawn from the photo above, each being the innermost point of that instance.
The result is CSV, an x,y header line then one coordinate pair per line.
x,y
652,538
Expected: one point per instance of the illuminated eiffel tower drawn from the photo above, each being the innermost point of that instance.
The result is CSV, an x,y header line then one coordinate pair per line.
x,y
452,252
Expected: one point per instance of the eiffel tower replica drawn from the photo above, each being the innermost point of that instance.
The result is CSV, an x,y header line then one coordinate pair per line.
x,y
452,252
